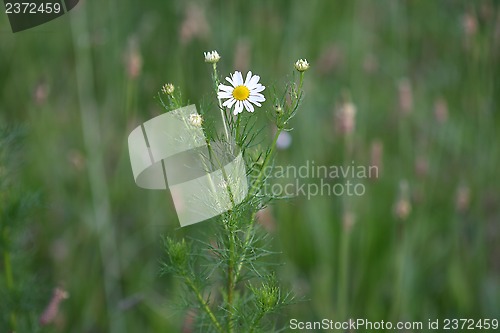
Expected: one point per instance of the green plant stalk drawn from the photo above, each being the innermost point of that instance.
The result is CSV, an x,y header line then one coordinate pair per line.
x,y
230,280
301,81
400,278
9,280
238,121
224,174
130,99
231,237
252,219
404,128
189,282
204,304
343,285
216,80
232,271
246,242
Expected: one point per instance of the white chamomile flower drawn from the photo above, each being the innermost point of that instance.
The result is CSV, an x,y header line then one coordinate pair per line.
x,y
212,57
242,94
195,119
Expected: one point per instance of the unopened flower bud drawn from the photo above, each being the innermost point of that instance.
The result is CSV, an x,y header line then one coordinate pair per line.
x,y
52,309
402,207
195,119
301,65
278,109
345,118
376,156
133,59
348,220
441,110
462,198
168,89
212,57
405,97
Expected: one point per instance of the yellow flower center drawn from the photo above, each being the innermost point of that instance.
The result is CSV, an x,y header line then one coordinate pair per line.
x,y
241,93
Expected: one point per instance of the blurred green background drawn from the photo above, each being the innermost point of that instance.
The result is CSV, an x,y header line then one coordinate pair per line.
x,y
422,243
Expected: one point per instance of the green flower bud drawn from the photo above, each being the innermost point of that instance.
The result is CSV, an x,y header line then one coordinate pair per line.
x,y
268,296
178,252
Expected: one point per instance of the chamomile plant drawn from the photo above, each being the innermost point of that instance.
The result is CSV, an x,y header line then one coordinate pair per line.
x,y
228,276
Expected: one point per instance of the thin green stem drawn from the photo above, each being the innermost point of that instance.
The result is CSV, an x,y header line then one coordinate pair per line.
x,y
230,281
217,324
130,99
224,174
256,322
231,239
301,81
238,121
175,101
343,275
343,286
245,245
400,276
204,305
216,77
216,81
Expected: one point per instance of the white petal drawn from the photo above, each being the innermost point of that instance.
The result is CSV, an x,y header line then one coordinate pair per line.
x,y
238,108
257,98
258,88
229,103
248,106
225,88
255,102
224,94
250,86
249,76
254,80
257,94
238,79
230,80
